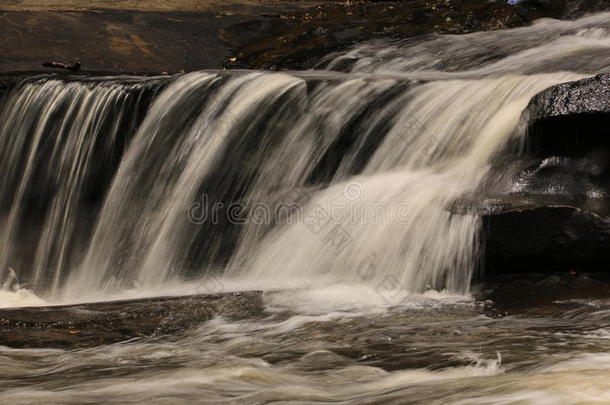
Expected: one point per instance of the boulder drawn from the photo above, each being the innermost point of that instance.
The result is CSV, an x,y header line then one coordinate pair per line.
x,y
570,119
546,239
587,96
547,207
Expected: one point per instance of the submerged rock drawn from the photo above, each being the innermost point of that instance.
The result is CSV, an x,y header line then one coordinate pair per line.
x,y
87,325
538,293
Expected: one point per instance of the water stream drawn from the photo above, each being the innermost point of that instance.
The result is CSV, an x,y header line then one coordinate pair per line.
x,y
327,189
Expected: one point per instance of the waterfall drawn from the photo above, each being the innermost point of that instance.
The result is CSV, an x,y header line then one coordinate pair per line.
x,y
370,163
154,234
267,179
389,226
60,144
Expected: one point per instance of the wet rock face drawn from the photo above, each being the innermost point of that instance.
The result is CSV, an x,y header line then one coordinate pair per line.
x,y
546,238
567,147
588,96
550,208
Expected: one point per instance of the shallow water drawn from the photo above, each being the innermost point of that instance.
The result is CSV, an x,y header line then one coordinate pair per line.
x,y
431,349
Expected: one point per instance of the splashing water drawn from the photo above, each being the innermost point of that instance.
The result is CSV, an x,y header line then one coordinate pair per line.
x,y
105,175
329,189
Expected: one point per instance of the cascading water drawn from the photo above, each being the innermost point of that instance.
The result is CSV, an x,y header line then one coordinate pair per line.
x,y
61,142
104,176
389,225
338,191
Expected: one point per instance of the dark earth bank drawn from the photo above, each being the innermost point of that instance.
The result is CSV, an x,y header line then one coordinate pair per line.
x,y
186,35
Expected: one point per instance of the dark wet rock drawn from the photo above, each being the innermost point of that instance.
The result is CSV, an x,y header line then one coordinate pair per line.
x,y
545,238
570,119
562,8
546,208
94,324
541,293
7,84
587,96
577,8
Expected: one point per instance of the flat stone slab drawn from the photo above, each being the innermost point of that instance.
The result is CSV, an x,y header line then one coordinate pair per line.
x,y
87,325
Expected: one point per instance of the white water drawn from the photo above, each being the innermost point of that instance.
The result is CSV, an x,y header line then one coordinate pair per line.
x,y
72,143
493,361
373,159
544,47
381,235
409,241
388,228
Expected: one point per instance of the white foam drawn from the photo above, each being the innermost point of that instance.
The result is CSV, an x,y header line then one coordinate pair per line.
x,y
20,298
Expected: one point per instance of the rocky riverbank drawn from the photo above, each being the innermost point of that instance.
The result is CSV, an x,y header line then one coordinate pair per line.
x,y
156,36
